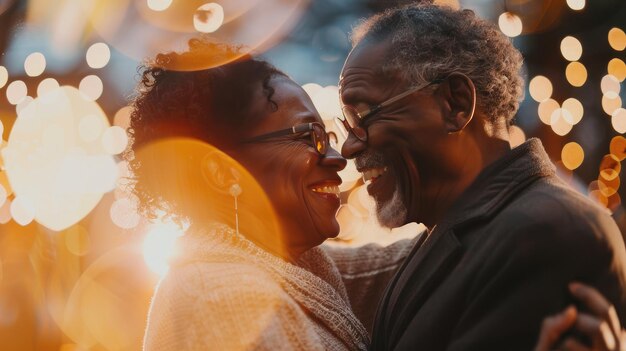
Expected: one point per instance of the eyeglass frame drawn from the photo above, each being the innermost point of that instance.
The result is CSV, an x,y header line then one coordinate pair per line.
x,y
297,129
376,108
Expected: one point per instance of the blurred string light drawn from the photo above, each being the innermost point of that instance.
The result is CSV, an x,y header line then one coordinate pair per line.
x,y
571,48
46,86
35,64
576,5
576,74
540,88
158,245
510,24
572,155
618,120
208,18
16,92
610,103
575,108
610,85
91,87
4,76
98,55
617,68
617,39
545,110
618,147
560,121
159,5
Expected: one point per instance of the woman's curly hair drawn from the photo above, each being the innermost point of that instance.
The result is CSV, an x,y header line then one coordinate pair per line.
x,y
211,105
430,41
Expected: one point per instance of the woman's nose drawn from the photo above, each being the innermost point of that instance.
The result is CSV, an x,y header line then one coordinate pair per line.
x,y
334,159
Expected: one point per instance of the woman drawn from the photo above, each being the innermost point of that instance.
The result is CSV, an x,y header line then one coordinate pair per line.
x,y
256,180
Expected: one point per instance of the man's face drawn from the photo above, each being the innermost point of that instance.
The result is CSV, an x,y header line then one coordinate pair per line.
x,y
401,155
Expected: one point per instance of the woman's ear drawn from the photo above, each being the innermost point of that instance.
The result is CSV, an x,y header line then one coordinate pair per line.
x,y
460,95
220,171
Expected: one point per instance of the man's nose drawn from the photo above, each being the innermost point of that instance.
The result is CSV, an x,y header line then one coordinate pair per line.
x,y
352,147
334,159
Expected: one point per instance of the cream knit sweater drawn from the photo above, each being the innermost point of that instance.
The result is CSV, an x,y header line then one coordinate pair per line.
x,y
226,293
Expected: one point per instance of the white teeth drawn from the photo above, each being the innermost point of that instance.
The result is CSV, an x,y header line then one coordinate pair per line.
x,y
373,173
333,189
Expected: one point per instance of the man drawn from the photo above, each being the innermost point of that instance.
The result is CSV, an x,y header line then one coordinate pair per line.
x,y
428,94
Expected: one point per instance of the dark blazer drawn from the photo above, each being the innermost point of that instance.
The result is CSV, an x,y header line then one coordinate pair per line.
x,y
500,261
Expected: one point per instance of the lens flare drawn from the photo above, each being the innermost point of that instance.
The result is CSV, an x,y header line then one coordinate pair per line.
x,y
158,246
124,213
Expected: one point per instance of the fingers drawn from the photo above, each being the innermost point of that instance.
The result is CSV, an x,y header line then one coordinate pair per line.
x,y
596,303
598,330
553,327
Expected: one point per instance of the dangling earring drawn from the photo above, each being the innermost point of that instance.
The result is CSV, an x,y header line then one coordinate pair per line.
x,y
235,191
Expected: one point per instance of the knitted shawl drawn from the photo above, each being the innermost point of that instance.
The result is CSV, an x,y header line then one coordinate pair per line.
x,y
313,283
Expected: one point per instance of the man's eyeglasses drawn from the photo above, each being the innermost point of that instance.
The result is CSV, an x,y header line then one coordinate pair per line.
x,y
352,118
316,130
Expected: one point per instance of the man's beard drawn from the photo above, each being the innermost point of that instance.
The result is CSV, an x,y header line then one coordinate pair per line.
x,y
392,213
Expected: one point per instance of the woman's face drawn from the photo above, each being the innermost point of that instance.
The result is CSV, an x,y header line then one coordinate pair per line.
x,y
302,185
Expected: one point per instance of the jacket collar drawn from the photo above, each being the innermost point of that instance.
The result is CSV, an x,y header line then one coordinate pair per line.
x,y
500,181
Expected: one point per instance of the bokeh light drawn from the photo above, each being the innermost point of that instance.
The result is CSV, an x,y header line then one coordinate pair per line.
x,y
618,147
540,88
114,140
77,240
575,108
46,86
572,155
16,92
510,24
98,55
90,128
4,76
576,74
618,120
546,109
610,103
617,39
22,105
617,68
91,87
122,117
576,5
124,213
3,195
41,147
571,48
159,5
208,18
610,85
561,121
22,210
35,64
608,187
610,167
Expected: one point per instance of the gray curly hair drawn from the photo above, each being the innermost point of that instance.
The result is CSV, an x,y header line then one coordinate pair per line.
x,y
430,41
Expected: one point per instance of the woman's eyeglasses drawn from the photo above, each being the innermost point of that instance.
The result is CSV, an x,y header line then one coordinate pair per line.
x,y
317,132
352,118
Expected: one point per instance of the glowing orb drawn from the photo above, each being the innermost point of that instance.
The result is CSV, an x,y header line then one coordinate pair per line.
x,y
540,88
35,64
510,24
47,85
91,87
98,55
16,92
48,163
159,5
158,246
4,76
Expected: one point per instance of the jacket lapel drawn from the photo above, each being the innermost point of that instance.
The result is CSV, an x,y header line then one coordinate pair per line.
x,y
423,273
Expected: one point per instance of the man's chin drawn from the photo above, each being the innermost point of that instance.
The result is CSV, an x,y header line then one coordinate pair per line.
x,y
392,213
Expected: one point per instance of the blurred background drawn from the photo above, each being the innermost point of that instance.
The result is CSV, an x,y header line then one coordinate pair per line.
x,y
78,264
